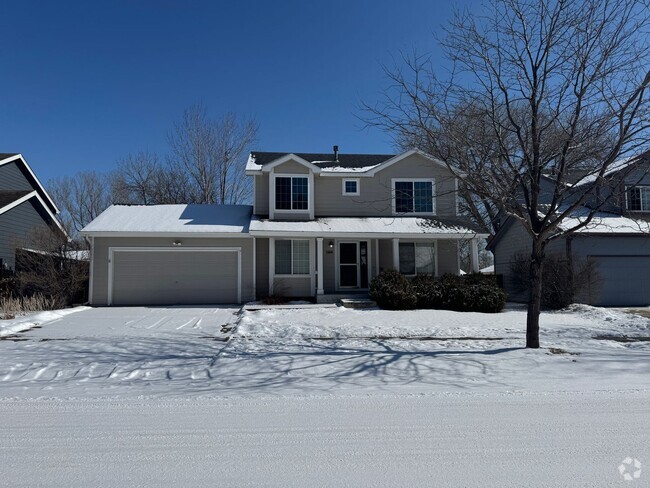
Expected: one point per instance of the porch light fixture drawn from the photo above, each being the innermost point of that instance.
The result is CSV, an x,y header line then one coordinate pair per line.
x,y
331,244
177,243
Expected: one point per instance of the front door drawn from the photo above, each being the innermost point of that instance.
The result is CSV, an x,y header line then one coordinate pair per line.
x,y
353,264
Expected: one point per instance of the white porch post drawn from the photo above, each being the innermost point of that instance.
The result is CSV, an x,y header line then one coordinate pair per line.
x,y
474,255
396,254
319,258
271,264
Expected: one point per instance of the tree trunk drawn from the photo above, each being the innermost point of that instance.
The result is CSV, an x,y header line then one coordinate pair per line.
x,y
535,297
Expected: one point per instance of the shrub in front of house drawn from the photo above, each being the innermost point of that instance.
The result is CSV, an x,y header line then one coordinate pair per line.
x,y
470,293
392,291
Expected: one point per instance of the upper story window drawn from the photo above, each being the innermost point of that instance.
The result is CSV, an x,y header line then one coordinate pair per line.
x,y
291,193
413,196
638,199
351,187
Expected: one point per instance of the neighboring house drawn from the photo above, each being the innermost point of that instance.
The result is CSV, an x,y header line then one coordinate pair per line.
x,y
320,224
616,242
25,208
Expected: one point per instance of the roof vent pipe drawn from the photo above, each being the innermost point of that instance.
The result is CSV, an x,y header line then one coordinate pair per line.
x,y
336,154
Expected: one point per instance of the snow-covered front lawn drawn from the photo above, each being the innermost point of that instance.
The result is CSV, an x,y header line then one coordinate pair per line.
x,y
181,352
324,397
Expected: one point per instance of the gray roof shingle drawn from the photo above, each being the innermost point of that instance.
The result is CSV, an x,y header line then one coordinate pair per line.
x,y
326,160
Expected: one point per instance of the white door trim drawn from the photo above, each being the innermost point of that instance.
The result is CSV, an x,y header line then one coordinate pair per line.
x,y
113,250
337,270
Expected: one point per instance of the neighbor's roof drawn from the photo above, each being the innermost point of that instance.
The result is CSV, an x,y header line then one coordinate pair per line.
x,y
171,219
7,197
360,226
7,158
606,223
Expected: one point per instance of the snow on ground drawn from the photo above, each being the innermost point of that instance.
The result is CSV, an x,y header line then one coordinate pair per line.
x,y
496,440
182,352
25,322
323,397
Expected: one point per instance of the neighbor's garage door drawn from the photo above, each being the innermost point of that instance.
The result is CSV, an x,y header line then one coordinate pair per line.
x,y
174,277
623,280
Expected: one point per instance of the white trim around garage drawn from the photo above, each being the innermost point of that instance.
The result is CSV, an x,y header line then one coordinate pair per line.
x,y
113,250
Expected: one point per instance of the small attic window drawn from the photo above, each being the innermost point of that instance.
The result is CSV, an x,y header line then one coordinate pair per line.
x,y
351,187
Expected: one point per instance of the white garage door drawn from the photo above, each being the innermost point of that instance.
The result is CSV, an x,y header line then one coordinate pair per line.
x,y
174,276
623,280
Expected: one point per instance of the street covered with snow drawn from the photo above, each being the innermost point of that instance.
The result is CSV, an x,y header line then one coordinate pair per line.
x,y
323,397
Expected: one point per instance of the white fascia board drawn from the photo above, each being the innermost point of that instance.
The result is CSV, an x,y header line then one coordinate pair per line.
x,y
367,235
40,185
290,157
170,234
36,195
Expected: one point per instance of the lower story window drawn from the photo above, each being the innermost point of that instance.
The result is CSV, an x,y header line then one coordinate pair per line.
x,y
417,258
291,257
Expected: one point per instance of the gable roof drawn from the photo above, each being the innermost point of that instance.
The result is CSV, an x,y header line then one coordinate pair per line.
x,y
358,164
325,160
6,158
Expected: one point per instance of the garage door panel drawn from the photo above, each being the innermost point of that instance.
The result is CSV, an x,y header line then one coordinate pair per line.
x,y
174,277
623,280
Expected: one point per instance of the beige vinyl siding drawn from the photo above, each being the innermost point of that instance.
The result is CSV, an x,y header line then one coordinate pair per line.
x,y
102,244
292,286
375,197
261,204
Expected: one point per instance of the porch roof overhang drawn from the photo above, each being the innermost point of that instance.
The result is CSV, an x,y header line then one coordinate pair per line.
x,y
366,227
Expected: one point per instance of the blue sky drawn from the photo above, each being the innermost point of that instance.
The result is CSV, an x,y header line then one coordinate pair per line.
x,y
85,83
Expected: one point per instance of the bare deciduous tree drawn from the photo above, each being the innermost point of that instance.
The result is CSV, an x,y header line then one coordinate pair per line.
x,y
81,198
538,88
211,153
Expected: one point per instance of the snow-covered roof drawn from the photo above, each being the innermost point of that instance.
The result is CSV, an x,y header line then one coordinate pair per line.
x,y
606,223
171,219
359,226
616,166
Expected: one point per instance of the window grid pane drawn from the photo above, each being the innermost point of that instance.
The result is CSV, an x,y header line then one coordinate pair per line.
x,y
403,196
350,187
282,257
300,196
283,193
645,198
423,196
425,259
407,258
300,257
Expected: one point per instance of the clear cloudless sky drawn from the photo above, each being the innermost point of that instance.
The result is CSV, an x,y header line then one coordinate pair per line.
x,y
87,82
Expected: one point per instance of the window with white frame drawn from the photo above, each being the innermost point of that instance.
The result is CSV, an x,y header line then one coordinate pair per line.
x,y
351,187
291,257
417,258
638,198
291,193
413,196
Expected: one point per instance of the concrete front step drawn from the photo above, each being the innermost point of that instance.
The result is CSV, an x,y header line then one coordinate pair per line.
x,y
358,303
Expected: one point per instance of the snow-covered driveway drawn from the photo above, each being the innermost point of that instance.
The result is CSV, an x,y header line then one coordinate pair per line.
x,y
100,348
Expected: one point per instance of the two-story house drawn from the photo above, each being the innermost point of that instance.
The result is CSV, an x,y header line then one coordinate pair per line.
x,y
26,209
616,242
320,224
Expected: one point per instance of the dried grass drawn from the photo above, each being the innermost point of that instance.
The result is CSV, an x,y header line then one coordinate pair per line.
x,y
10,307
